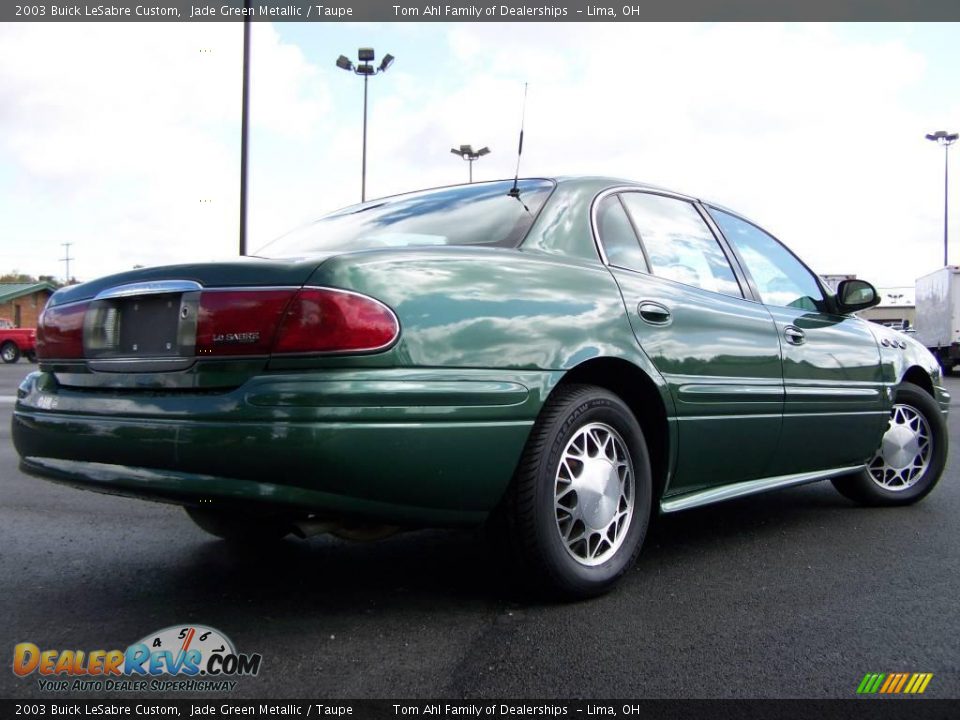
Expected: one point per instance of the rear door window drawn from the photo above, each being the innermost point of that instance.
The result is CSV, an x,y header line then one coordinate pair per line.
x,y
619,241
679,243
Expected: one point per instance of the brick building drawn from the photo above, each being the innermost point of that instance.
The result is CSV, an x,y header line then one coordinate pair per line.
x,y
22,303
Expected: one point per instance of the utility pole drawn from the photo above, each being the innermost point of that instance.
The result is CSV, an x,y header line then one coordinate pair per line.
x,y
66,259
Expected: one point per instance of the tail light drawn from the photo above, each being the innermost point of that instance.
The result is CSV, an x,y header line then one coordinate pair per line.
x,y
310,320
283,321
60,332
239,322
326,320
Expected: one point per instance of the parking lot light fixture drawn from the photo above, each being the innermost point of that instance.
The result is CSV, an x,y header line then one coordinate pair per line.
x,y
470,155
366,69
942,137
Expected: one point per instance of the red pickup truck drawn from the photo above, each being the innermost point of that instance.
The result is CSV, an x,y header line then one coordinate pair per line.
x,y
15,342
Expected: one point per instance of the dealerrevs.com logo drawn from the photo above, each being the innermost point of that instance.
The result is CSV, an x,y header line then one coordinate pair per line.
x,y
200,658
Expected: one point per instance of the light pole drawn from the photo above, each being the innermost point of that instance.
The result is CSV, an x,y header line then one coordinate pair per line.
x,y
942,137
365,68
469,154
244,127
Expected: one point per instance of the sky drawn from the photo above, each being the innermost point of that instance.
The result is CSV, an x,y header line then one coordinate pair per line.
x,y
124,138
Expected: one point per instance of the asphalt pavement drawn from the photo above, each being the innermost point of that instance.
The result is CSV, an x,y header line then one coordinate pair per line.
x,y
796,593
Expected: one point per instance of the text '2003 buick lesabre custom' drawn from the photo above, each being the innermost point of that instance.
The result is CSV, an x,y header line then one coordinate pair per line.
x,y
555,358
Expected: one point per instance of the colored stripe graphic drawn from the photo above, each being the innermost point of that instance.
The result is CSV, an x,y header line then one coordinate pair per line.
x,y
870,683
920,684
894,683
903,680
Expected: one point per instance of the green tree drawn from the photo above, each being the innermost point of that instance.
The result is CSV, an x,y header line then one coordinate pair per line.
x,y
15,276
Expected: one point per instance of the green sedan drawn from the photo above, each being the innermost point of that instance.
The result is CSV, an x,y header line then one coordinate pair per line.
x,y
554,358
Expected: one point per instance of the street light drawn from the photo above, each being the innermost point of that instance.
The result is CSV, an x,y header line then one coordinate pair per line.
x,y
469,154
942,137
244,125
365,68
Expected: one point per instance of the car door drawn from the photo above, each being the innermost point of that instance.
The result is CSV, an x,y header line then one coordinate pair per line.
x,y
836,406
717,349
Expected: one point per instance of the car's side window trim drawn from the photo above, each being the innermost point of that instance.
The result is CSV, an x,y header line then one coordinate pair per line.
x,y
618,190
747,284
598,241
595,225
636,233
825,295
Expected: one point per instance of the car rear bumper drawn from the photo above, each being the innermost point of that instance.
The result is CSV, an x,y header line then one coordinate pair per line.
x,y
400,446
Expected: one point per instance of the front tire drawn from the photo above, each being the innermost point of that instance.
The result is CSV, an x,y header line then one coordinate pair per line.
x,y
240,527
9,352
911,457
579,505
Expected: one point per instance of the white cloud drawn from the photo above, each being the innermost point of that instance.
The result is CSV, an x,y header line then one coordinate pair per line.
x,y
124,137
114,134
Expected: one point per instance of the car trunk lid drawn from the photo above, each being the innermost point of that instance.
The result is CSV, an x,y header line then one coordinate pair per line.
x,y
152,329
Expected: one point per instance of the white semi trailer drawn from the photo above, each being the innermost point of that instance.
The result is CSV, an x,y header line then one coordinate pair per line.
x,y
938,314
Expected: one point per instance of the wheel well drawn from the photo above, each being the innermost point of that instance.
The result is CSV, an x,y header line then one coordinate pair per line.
x,y
638,391
919,377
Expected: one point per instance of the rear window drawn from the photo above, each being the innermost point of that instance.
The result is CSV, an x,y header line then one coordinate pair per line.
x,y
479,214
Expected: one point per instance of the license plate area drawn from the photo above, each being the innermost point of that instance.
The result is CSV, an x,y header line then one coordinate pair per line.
x,y
156,329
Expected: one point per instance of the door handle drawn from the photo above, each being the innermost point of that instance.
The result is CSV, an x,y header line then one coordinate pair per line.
x,y
654,313
794,335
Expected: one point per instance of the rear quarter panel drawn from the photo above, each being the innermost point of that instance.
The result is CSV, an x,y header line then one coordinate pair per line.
x,y
488,308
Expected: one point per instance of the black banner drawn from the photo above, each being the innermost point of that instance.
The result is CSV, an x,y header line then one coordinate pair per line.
x,y
220,709
476,11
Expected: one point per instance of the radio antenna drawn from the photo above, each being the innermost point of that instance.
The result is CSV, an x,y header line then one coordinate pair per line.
x,y
515,190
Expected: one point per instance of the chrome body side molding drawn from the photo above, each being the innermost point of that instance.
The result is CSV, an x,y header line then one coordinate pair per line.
x,y
750,487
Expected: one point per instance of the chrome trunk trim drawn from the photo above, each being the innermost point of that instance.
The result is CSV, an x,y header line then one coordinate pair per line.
x,y
150,287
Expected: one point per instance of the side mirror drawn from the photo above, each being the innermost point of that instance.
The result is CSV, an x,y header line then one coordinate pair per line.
x,y
854,295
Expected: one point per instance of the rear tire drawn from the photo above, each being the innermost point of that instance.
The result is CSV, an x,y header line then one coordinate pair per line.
x,y
240,527
31,355
578,508
911,457
9,352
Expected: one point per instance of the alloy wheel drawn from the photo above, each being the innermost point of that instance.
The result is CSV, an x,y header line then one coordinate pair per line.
x,y
905,451
594,494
